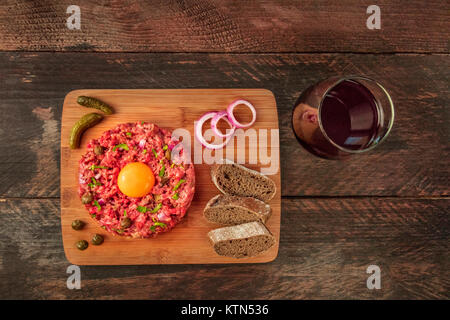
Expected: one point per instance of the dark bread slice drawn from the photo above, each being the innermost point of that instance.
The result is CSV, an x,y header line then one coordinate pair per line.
x,y
242,240
232,178
230,210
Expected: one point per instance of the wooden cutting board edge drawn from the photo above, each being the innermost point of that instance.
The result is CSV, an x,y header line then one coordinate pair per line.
x,y
267,257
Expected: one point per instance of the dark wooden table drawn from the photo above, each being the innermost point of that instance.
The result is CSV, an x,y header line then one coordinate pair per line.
x,y
389,207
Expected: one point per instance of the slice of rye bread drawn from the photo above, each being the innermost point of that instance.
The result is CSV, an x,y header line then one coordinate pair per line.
x,y
232,178
230,210
242,240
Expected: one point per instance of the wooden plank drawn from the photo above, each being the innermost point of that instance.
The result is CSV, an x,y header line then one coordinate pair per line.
x,y
172,109
325,247
225,26
412,161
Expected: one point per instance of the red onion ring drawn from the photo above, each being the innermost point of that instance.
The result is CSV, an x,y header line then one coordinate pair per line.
x,y
199,134
233,119
219,115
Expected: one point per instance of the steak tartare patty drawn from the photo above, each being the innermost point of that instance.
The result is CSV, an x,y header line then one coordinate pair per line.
x,y
158,211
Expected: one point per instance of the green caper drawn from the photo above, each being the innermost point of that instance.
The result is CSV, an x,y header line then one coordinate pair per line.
x,y
87,198
97,239
77,224
125,223
82,244
168,154
98,150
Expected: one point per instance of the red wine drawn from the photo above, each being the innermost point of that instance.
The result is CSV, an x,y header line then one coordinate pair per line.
x,y
349,115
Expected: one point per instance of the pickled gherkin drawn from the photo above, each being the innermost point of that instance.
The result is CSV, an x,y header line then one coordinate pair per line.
x,y
90,102
87,121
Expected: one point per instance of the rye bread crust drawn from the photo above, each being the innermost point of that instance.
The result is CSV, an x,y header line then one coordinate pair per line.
x,y
243,240
231,210
235,179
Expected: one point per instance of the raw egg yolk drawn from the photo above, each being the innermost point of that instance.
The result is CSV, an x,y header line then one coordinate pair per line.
x,y
136,179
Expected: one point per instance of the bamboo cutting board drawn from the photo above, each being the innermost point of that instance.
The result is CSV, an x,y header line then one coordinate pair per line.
x,y
187,242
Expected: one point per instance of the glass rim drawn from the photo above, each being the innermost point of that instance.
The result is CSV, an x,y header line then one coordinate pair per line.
x,y
391,107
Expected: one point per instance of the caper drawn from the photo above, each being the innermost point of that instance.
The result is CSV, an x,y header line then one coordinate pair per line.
x,y
168,154
87,198
97,239
98,150
77,224
125,223
82,244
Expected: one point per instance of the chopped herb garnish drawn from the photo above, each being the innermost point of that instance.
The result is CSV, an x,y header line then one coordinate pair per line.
x,y
155,209
129,134
142,123
124,213
97,205
142,209
144,151
179,184
165,147
95,182
157,224
154,153
93,215
91,185
175,196
121,146
160,224
161,172
93,167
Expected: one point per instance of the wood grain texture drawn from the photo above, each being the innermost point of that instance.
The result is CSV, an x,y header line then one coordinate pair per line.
x,y
412,161
325,248
225,26
171,109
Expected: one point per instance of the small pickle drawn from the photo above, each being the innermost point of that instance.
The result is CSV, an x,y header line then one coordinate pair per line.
x,y
125,223
86,121
98,150
77,224
90,102
87,198
82,244
97,239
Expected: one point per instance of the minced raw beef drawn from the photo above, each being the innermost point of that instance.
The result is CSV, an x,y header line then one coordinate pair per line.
x,y
109,206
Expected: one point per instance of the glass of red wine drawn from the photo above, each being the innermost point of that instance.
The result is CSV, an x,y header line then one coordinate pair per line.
x,y
342,116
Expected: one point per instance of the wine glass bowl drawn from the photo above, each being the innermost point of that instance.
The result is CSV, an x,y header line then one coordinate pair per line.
x,y
342,116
